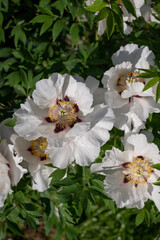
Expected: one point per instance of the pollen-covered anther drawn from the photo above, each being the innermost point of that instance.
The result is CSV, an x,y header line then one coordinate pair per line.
x,y
64,113
137,171
38,148
126,80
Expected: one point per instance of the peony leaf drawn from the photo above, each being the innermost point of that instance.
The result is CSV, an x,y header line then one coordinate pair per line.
x,y
151,83
96,6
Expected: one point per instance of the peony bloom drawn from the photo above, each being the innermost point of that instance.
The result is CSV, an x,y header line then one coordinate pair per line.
x,y
35,160
129,174
147,12
11,172
63,111
137,4
125,89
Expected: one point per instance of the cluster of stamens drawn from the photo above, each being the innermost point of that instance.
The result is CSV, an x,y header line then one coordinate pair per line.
x,y
63,113
38,148
126,80
137,171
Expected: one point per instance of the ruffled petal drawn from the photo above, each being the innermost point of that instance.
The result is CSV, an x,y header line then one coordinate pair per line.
x,y
48,90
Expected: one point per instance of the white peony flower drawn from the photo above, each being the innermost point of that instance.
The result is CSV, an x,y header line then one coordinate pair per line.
x,y
125,89
148,13
35,160
10,170
62,111
129,175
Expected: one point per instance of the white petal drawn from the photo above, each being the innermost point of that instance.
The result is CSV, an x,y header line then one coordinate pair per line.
x,y
61,157
6,131
40,176
139,57
15,170
29,117
92,83
21,147
85,151
127,28
80,94
48,90
136,89
139,145
101,27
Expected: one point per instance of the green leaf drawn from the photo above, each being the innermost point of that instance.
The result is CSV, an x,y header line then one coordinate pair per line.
x,y
128,5
57,28
91,48
110,24
45,11
66,181
82,51
158,92
19,90
19,35
5,52
14,227
48,22
71,63
51,219
30,207
74,32
90,17
102,14
2,35
156,166
1,19
119,23
40,18
57,175
151,83
4,5
71,231
65,215
149,74
72,6
96,6
1,232
98,183
99,192
157,183
13,78
140,217
11,123
116,8
147,217
71,189
31,222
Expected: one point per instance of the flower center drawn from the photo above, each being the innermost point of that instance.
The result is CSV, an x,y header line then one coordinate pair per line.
x,y
38,148
126,80
63,113
137,171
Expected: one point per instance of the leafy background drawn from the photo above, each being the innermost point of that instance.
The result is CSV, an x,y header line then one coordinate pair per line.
x,y
41,37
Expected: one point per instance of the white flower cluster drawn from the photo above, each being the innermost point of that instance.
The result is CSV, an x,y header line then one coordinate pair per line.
x,y
142,9
67,120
